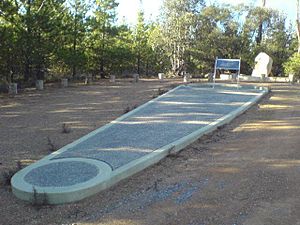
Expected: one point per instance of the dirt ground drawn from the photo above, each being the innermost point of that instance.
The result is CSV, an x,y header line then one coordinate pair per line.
x,y
247,172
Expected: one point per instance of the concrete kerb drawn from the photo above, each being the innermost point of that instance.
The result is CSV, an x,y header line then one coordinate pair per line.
x,y
154,157
108,177
24,191
85,137
59,195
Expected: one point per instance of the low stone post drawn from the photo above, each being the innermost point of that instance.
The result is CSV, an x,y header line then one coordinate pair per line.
x,y
161,76
186,78
136,77
88,79
112,78
13,88
292,78
64,82
39,84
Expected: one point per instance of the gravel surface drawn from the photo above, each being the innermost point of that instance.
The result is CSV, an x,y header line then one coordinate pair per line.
x,y
245,173
61,174
163,121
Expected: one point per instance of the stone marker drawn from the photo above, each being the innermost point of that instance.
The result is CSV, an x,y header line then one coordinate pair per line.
x,y
292,78
136,77
161,76
64,82
13,88
39,84
112,78
87,80
186,78
263,66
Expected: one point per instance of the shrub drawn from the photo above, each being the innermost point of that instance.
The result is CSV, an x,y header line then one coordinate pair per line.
x,y
292,66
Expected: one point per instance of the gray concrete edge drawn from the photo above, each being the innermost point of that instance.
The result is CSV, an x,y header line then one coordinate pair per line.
x,y
106,126
82,191
154,157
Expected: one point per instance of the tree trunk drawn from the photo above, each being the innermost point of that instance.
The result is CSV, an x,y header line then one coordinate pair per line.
x,y
139,64
102,75
298,25
28,50
74,43
259,35
26,70
260,28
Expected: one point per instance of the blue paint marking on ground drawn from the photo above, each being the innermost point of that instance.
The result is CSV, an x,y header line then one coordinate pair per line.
x,y
142,199
165,120
188,192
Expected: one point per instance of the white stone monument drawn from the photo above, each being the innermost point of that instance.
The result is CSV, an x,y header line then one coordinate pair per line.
x,y
263,66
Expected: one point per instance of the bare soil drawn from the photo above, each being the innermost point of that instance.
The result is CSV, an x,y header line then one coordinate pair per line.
x,y
246,172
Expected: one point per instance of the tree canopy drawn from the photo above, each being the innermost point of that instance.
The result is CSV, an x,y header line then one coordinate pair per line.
x,y
69,38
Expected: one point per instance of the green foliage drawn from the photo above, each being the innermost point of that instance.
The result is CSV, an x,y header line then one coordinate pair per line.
x,y
177,30
102,36
69,38
292,66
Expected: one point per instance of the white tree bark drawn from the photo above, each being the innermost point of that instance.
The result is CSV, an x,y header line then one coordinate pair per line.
x,y
298,24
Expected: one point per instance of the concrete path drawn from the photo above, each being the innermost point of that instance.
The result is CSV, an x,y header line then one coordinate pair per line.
x,y
132,142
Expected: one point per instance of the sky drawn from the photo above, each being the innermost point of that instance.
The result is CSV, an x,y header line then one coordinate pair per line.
x,y
128,8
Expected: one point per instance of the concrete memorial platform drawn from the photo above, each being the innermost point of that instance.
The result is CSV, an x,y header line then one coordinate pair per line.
x,y
132,142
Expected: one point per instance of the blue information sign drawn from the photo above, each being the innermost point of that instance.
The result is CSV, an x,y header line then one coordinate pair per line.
x,y
228,64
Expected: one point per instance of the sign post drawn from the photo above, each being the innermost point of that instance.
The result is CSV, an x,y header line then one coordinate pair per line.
x,y
228,64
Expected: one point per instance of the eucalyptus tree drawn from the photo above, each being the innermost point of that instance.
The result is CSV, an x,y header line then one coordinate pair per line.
x,y
260,28
276,36
140,37
217,34
9,55
298,23
76,30
177,23
36,24
101,37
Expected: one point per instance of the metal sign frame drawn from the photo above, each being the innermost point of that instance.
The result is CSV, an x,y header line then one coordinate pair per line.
x,y
228,64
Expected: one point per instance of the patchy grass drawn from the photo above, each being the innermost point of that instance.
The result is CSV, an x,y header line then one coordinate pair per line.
x,y
39,199
52,147
128,109
66,129
160,91
7,175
